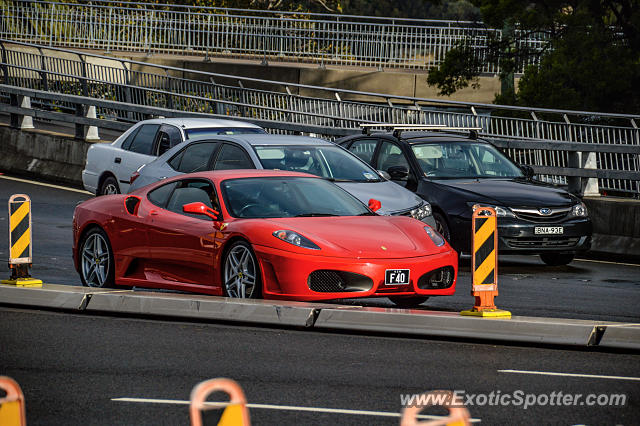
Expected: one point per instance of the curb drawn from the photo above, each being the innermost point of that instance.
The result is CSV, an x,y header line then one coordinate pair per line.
x,y
555,331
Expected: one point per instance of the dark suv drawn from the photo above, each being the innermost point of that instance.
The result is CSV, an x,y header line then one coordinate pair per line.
x,y
453,171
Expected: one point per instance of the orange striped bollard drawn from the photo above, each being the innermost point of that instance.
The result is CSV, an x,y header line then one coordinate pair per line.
x,y
484,263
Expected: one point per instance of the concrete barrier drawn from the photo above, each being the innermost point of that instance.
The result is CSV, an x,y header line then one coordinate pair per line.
x,y
330,317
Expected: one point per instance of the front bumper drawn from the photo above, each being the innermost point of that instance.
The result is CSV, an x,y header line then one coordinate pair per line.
x,y
519,236
286,275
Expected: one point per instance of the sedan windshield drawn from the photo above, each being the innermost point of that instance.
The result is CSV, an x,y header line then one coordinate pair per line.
x,y
329,162
210,131
288,197
455,160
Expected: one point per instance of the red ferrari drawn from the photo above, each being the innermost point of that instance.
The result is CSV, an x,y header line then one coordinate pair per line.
x,y
258,233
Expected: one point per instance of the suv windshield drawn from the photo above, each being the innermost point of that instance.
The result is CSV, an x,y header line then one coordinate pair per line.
x,y
288,197
464,160
210,131
330,162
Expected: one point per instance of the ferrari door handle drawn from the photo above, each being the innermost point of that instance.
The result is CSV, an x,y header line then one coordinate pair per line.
x,y
118,160
153,213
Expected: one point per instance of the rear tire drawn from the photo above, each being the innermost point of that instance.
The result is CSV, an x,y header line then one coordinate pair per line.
x,y
109,186
557,259
408,302
97,268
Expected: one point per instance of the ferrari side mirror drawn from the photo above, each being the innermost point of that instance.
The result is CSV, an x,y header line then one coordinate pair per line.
x,y
201,208
374,204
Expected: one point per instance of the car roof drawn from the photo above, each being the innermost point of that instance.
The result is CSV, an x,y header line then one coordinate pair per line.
x,y
244,173
255,139
421,136
200,123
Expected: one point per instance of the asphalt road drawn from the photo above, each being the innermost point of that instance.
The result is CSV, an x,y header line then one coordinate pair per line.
x,y
75,369
585,289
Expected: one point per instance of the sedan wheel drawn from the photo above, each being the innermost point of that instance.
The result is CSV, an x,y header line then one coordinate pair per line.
x,y
241,272
442,227
109,187
96,260
557,259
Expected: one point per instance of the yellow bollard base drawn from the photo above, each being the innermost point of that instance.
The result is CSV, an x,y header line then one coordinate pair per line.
x,y
487,313
23,282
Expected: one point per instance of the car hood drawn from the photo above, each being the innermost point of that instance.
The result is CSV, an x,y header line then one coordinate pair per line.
x,y
360,237
393,197
511,192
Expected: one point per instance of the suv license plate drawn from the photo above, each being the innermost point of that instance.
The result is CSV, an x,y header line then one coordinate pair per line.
x,y
548,230
396,277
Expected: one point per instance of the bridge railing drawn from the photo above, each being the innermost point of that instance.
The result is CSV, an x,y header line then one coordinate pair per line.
x,y
271,36
64,71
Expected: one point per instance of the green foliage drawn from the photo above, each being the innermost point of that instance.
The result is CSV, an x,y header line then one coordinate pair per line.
x,y
591,62
459,69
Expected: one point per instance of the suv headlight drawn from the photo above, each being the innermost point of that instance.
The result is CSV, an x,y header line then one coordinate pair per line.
x,y
579,210
422,211
500,211
296,239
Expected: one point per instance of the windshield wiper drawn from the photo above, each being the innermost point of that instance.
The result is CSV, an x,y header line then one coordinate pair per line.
x,y
330,179
368,214
314,214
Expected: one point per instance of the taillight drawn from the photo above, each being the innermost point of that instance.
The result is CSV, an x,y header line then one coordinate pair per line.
x,y
133,177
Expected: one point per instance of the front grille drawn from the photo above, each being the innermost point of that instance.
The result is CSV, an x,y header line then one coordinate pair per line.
x,y
534,215
437,279
329,281
542,242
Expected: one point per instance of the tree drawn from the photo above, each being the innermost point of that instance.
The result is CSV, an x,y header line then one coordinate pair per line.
x,y
591,60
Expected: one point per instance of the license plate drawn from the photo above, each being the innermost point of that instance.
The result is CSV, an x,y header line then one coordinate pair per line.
x,y
396,276
548,230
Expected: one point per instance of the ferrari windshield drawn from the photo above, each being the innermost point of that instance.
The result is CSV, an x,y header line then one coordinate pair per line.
x,y
327,161
288,197
455,160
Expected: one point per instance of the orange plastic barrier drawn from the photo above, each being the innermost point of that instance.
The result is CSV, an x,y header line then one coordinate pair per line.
x,y
458,414
484,263
12,412
235,413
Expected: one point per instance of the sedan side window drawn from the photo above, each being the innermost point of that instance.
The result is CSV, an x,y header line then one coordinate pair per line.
x,y
364,148
391,156
144,139
168,137
233,157
195,157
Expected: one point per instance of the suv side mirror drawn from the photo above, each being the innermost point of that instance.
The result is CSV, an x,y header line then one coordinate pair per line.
x,y
527,170
201,208
398,172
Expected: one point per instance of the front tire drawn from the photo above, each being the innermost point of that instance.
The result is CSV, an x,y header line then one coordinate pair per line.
x,y
557,259
109,186
96,260
241,273
408,302
442,227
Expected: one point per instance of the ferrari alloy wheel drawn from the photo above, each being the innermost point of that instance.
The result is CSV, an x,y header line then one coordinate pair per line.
x,y
408,302
96,260
109,186
241,273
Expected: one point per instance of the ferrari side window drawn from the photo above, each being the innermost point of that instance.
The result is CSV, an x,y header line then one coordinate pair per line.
x,y
159,196
193,191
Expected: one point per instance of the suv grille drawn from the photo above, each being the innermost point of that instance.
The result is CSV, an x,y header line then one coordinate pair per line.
x,y
542,242
534,215
328,281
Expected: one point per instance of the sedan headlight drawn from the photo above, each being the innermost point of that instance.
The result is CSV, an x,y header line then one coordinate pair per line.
x,y
437,239
422,211
500,211
296,239
579,210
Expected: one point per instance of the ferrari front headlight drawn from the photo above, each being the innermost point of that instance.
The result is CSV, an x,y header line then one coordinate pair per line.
x,y
296,239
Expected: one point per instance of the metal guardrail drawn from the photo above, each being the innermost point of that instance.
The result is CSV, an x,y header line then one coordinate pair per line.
x,y
273,36
65,71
